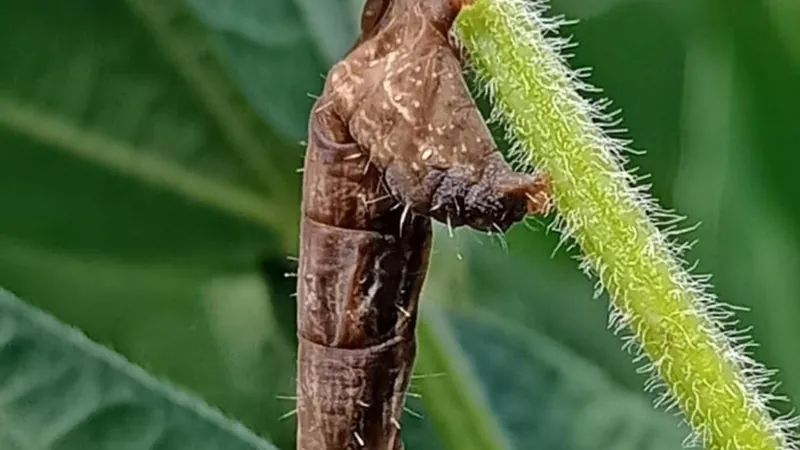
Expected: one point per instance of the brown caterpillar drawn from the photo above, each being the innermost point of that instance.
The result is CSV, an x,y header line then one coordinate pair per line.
x,y
395,140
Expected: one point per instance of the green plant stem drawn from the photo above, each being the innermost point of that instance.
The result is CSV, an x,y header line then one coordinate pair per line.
x,y
674,320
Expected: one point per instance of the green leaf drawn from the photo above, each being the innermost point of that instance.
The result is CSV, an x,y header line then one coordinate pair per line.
x,y
162,115
769,268
761,208
587,9
785,15
138,179
504,313
279,51
207,328
90,194
455,405
59,390
528,290
546,397
711,139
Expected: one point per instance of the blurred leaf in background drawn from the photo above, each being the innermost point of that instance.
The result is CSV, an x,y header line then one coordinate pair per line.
x,y
60,390
150,195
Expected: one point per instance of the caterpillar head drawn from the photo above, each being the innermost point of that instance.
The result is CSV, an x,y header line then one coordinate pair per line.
x,y
404,99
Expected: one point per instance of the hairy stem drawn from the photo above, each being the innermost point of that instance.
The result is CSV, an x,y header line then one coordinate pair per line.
x,y
624,235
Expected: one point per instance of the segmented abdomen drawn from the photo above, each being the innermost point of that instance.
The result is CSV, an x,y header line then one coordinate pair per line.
x,y
358,286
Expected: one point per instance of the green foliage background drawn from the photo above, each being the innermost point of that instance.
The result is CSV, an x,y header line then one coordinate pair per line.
x,y
149,197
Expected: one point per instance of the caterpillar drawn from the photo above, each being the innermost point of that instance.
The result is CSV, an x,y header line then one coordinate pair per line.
x,y
395,141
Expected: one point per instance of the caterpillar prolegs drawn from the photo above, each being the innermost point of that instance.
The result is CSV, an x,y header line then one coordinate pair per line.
x,y
395,141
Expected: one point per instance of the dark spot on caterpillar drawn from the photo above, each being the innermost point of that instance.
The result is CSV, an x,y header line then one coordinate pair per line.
x,y
395,140
489,197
